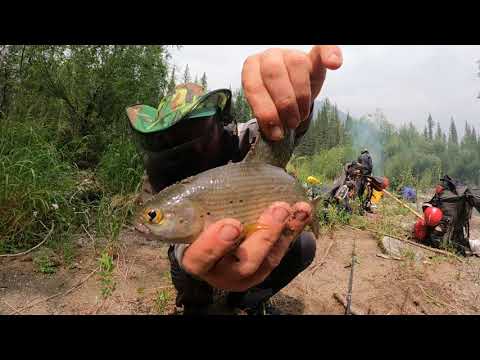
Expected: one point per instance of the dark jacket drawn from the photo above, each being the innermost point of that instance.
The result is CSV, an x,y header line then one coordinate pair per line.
x,y
366,160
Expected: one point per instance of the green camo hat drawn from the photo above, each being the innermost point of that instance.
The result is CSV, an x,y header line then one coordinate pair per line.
x,y
188,101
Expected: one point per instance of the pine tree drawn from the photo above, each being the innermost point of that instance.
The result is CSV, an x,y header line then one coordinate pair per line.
x,y
196,79
438,135
241,110
338,128
467,138
452,136
171,83
322,133
430,127
203,82
425,132
186,75
348,129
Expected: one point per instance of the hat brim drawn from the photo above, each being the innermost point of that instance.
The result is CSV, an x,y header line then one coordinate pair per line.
x,y
145,119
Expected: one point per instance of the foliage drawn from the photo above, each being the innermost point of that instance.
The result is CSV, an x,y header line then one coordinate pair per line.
x,y
106,274
66,156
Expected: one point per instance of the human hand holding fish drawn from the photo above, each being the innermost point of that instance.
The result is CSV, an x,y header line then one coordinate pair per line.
x,y
217,258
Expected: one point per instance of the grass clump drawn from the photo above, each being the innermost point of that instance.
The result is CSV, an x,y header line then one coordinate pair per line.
x,y
36,188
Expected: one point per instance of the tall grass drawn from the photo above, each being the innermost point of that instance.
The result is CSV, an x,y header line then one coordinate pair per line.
x,y
40,186
36,186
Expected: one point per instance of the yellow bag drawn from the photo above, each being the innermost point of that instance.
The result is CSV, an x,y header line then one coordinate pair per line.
x,y
376,196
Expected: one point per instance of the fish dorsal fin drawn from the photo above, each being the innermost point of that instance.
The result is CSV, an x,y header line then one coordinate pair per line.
x,y
276,153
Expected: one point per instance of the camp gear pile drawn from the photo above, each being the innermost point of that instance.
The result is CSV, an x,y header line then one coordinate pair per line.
x,y
456,201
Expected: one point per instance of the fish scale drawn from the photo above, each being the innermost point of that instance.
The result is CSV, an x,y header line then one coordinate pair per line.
x,y
244,190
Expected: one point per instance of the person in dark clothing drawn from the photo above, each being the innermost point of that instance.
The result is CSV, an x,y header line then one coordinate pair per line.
x,y
367,168
191,132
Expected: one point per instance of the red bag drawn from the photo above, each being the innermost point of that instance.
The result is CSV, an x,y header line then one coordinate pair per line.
x,y
420,230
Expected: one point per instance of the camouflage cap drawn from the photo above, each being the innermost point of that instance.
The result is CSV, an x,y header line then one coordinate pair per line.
x,y
188,101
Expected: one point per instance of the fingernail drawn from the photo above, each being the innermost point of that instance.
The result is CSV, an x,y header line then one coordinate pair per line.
x,y
228,233
333,57
301,215
277,132
280,214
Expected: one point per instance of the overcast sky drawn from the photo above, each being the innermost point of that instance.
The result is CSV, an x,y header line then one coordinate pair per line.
x,y
405,82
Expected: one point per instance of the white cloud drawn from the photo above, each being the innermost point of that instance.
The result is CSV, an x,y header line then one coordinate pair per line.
x,y
406,82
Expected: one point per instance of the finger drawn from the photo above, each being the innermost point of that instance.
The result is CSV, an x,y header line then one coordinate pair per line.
x,y
217,240
259,99
323,57
277,81
299,67
222,276
253,250
302,215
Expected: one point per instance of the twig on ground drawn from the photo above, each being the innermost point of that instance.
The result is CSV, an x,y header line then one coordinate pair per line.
x,y
389,257
33,248
438,301
438,251
10,306
90,236
324,257
33,303
343,301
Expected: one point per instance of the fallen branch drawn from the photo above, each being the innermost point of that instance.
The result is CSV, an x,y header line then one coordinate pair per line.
x,y
33,248
10,306
343,301
438,251
389,257
403,204
33,303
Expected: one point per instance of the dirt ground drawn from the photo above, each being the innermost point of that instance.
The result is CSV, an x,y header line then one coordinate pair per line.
x,y
437,285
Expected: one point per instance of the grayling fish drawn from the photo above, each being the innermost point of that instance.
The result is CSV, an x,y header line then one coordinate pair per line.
x,y
180,212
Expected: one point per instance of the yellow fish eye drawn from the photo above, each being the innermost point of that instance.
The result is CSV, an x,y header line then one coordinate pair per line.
x,y
154,216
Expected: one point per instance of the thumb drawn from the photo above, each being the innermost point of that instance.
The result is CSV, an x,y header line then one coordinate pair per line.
x,y
214,243
329,56
323,57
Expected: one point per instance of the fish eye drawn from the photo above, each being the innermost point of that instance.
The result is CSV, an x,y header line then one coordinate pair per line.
x,y
154,216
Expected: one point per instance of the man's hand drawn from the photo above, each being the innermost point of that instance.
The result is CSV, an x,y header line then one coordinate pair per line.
x,y
280,85
217,258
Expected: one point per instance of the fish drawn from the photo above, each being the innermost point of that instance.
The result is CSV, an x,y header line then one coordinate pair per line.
x,y
242,190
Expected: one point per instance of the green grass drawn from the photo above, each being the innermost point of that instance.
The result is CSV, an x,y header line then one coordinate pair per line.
x,y
162,298
36,188
44,262
107,266
41,186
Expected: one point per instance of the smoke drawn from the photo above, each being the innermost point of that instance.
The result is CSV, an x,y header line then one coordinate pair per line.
x,y
367,133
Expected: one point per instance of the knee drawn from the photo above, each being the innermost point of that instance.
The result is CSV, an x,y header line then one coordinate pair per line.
x,y
308,247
